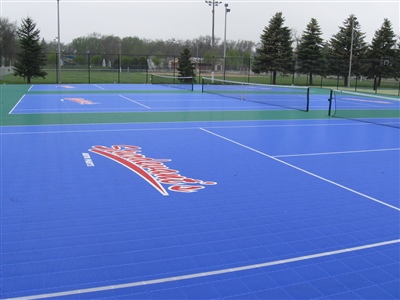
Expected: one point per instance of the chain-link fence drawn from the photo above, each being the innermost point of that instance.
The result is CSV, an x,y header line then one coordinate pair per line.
x,y
121,68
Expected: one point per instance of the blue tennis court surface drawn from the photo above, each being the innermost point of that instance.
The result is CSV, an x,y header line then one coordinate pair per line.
x,y
134,98
266,209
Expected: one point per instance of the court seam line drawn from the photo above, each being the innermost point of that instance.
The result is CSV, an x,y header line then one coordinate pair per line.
x,y
134,101
303,170
338,152
207,273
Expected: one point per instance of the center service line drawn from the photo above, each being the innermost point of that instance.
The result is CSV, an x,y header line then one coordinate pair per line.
x,y
134,101
302,170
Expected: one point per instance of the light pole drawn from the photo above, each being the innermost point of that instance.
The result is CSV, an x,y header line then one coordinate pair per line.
x,y
351,48
213,3
226,13
58,45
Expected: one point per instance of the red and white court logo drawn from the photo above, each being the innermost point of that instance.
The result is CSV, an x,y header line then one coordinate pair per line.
x,y
153,170
81,101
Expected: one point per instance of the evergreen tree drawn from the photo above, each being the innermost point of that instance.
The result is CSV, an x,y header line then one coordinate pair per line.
x,y
8,41
275,52
186,66
310,50
340,47
382,54
32,58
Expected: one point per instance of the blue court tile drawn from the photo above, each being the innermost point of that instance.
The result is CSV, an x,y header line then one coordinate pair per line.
x,y
324,242
61,280
285,277
198,249
182,266
343,296
190,239
25,269
373,292
269,239
126,272
334,267
28,284
221,246
281,251
230,287
173,293
246,242
356,262
200,291
377,275
138,256
379,259
311,272
173,252
258,254
276,293
153,269
89,277
392,288
304,246
116,259
303,291
232,258
329,286
207,261
248,296
353,280
392,269
344,239
259,282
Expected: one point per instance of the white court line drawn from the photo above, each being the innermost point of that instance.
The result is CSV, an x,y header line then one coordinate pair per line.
x,y
204,274
338,152
99,87
11,111
304,171
134,101
159,128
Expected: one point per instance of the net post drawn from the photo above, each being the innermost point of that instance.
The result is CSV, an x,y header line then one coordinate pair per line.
x,y
330,102
202,84
308,99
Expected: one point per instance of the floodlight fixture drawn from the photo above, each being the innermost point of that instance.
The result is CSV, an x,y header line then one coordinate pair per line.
x,y
213,3
353,19
58,44
226,13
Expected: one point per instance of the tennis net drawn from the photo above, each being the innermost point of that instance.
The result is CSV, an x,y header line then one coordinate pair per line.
x,y
369,108
283,96
185,83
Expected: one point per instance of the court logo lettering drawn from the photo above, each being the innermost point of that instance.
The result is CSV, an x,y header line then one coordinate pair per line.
x,y
80,101
152,170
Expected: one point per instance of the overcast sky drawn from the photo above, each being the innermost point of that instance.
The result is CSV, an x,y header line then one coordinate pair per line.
x,y
189,19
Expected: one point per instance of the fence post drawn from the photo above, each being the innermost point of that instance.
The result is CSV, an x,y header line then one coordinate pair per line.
x,y
88,62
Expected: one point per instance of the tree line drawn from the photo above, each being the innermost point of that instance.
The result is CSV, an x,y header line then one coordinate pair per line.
x,y
280,49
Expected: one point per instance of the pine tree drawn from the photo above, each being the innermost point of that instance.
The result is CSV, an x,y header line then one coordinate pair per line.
x,y
32,58
186,66
310,50
340,47
382,54
275,52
